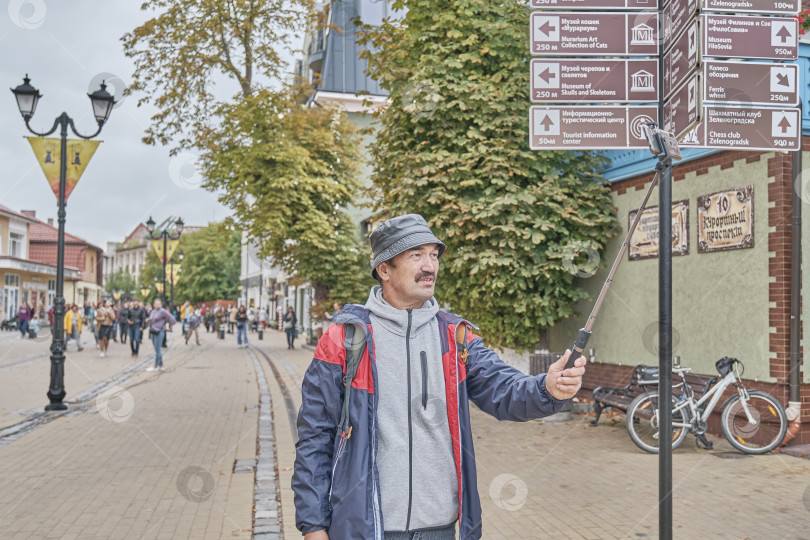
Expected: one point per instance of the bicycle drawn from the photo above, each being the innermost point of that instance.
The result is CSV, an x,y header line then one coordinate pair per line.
x,y
753,421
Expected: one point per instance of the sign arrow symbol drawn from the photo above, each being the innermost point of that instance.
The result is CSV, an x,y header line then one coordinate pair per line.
x,y
782,79
547,122
784,124
784,33
547,29
546,75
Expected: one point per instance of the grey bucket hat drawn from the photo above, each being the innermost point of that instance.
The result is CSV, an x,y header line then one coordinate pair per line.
x,y
400,234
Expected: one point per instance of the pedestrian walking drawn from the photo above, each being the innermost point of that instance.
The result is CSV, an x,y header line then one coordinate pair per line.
x,y
210,316
193,320
241,327
123,321
136,320
262,318
231,319
105,320
73,325
408,469
24,314
290,321
158,319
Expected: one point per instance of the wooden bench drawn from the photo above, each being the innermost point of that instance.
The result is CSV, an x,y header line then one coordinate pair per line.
x,y
620,397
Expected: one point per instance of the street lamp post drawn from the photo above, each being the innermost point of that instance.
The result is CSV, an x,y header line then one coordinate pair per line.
x,y
171,281
27,98
176,227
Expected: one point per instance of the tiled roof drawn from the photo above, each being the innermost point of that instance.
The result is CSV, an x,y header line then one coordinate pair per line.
x,y
19,215
42,232
46,253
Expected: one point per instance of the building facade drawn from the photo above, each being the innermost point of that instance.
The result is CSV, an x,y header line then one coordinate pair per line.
x,y
22,278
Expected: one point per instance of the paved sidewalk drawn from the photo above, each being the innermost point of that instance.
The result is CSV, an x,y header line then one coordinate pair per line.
x,y
156,460
153,461
25,371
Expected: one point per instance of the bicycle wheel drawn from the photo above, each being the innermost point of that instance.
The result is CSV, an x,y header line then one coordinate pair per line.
x,y
642,423
767,430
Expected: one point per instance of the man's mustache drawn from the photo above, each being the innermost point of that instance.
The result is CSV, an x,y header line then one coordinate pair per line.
x,y
421,275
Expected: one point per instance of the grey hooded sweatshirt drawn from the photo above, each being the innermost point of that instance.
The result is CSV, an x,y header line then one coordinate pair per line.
x,y
418,483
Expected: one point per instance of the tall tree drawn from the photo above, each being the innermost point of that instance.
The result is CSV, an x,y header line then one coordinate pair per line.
x,y
291,172
190,44
287,172
453,146
211,265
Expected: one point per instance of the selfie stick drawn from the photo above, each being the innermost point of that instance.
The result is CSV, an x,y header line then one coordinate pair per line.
x,y
660,144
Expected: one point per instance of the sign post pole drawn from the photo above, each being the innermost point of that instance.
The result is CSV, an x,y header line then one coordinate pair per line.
x,y
664,169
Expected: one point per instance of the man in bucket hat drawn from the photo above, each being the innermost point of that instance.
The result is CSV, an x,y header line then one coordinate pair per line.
x,y
404,468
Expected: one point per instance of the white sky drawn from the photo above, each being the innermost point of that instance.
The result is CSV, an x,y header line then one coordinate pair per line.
x,y
65,46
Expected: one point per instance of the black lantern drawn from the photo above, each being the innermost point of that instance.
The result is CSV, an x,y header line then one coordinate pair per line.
x,y
179,226
103,103
150,225
27,98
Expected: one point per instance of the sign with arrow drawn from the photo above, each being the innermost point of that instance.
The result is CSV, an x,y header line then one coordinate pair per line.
x,y
683,110
677,16
582,127
594,34
770,7
559,80
750,83
746,128
650,5
767,38
683,59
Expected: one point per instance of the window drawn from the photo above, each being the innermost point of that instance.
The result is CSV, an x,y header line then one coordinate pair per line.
x,y
51,292
16,243
11,298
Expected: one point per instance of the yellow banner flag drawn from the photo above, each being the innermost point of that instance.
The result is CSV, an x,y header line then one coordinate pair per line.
x,y
173,270
171,245
145,292
48,154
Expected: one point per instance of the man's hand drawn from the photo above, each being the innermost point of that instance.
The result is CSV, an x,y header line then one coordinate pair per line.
x,y
317,535
563,383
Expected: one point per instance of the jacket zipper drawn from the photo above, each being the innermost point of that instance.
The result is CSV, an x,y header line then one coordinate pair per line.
x,y
423,355
410,427
460,451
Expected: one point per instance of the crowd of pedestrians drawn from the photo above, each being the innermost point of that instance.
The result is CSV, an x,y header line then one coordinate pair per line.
x,y
119,322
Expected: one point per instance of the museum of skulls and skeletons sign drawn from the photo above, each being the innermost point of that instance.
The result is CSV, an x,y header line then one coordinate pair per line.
x,y
726,220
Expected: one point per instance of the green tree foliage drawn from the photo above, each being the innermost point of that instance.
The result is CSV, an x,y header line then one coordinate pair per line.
x,y
453,146
120,281
287,172
210,268
291,171
189,43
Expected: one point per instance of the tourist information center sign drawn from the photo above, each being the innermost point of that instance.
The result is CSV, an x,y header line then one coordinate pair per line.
x,y
589,128
559,80
594,34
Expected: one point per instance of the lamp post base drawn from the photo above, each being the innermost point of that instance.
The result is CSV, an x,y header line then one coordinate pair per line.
x,y
55,405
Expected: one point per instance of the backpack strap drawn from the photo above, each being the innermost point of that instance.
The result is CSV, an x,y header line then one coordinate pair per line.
x,y
355,345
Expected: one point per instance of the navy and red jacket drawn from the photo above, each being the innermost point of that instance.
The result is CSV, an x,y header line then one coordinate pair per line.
x,y
342,495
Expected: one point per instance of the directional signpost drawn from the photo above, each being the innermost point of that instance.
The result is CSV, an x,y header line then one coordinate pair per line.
x,y
560,80
707,99
594,34
594,128
768,38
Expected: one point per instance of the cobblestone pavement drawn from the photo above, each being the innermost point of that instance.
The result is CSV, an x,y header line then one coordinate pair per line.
x,y
159,464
